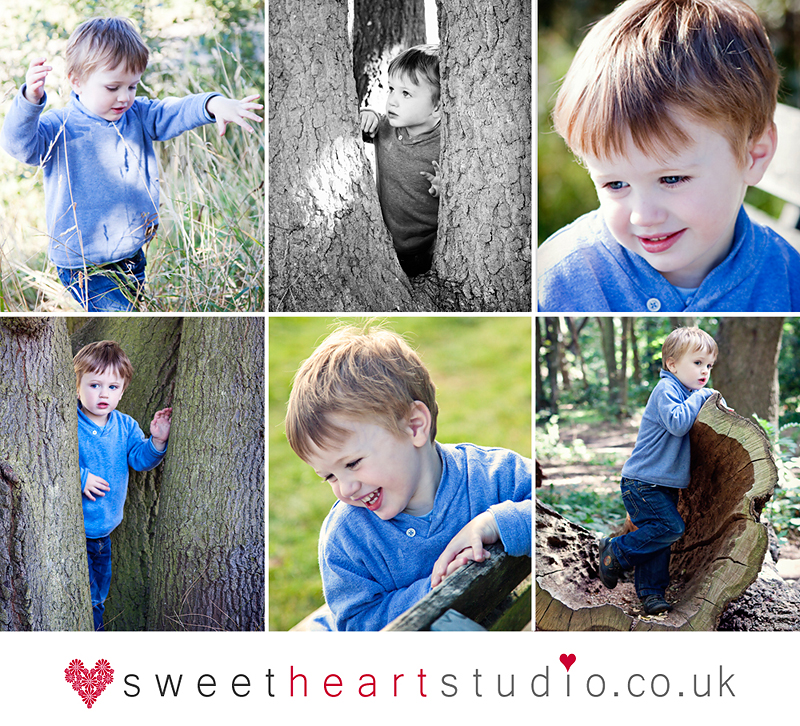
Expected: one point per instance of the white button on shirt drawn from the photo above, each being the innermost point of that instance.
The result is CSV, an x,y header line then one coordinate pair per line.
x,y
654,304
411,532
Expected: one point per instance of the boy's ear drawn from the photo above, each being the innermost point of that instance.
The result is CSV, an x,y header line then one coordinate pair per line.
x,y
419,423
759,155
670,364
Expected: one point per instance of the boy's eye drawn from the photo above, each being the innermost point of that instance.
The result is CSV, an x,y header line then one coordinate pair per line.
x,y
615,186
353,464
674,180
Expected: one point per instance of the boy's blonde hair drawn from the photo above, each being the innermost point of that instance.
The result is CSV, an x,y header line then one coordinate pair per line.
x,y
649,59
363,373
102,356
105,43
687,340
419,63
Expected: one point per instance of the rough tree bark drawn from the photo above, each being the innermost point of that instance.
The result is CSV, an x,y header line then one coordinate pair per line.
x,y
746,371
152,345
44,581
381,29
329,248
484,240
209,540
717,559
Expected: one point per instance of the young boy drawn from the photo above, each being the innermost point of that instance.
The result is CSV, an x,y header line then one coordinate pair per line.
x,y
100,168
108,443
407,155
669,105
362,413
659,468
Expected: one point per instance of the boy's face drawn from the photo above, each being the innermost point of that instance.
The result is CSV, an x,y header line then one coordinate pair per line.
x,y
99,394
692,368
678,213
107,92
374,468
410,105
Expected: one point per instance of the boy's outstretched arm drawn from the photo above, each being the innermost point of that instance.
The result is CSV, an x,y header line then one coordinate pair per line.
x,y
472,536
159,428
229,110
34,80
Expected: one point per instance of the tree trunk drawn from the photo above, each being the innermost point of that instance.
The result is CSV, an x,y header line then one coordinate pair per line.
x,y
484,240
609,344
329,248
152,345
719,556
746,371
44,580
381,29
551,355
209,539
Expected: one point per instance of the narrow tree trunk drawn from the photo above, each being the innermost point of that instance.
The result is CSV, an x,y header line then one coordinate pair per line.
x,y
44,580
209,540
484,238
381,29
329,248
152,345
719,556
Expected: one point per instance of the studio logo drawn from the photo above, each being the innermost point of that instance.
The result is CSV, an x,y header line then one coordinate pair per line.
x,y
89,684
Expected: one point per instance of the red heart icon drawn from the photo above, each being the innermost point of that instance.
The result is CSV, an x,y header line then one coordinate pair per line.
x,y
89,684
567,660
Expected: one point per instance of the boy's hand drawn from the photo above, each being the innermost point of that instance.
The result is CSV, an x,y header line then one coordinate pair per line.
x,y
476,533
95,487
228,110
433,179
34,80
159,428
369,122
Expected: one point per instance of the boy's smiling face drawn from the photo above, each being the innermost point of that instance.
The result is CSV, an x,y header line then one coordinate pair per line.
x,y
679,212
107,92
99,394
379,470
410,105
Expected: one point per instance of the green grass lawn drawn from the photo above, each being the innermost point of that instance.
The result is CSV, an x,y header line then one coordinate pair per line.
x,y
482,370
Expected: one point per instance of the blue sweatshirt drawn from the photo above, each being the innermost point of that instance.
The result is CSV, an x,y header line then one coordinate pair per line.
x,y
107,168
661,455
107,451
582,268
374,570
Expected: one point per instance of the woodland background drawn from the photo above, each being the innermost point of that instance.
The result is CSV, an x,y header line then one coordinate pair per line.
x,y
329,248
563,187
594,376
189,553
209,254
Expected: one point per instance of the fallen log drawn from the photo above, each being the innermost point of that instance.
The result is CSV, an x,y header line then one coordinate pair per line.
x,y
733,475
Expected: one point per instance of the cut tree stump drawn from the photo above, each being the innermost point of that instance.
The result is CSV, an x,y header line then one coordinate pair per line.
x,y
720,555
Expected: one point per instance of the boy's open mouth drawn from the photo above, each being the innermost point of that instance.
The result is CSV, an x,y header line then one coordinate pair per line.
x,y
373,500
661,243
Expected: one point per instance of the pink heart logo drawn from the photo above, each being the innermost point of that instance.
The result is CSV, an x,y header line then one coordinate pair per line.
x,y
89,684
567,660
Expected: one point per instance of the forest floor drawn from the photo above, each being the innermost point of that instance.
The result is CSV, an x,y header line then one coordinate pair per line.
x,y
589,457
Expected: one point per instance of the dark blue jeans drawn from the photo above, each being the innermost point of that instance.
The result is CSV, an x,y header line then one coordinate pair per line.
x,y
654,510
99,554
108,288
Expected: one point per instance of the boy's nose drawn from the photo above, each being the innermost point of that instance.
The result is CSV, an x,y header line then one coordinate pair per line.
x,y
348,485
645,213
